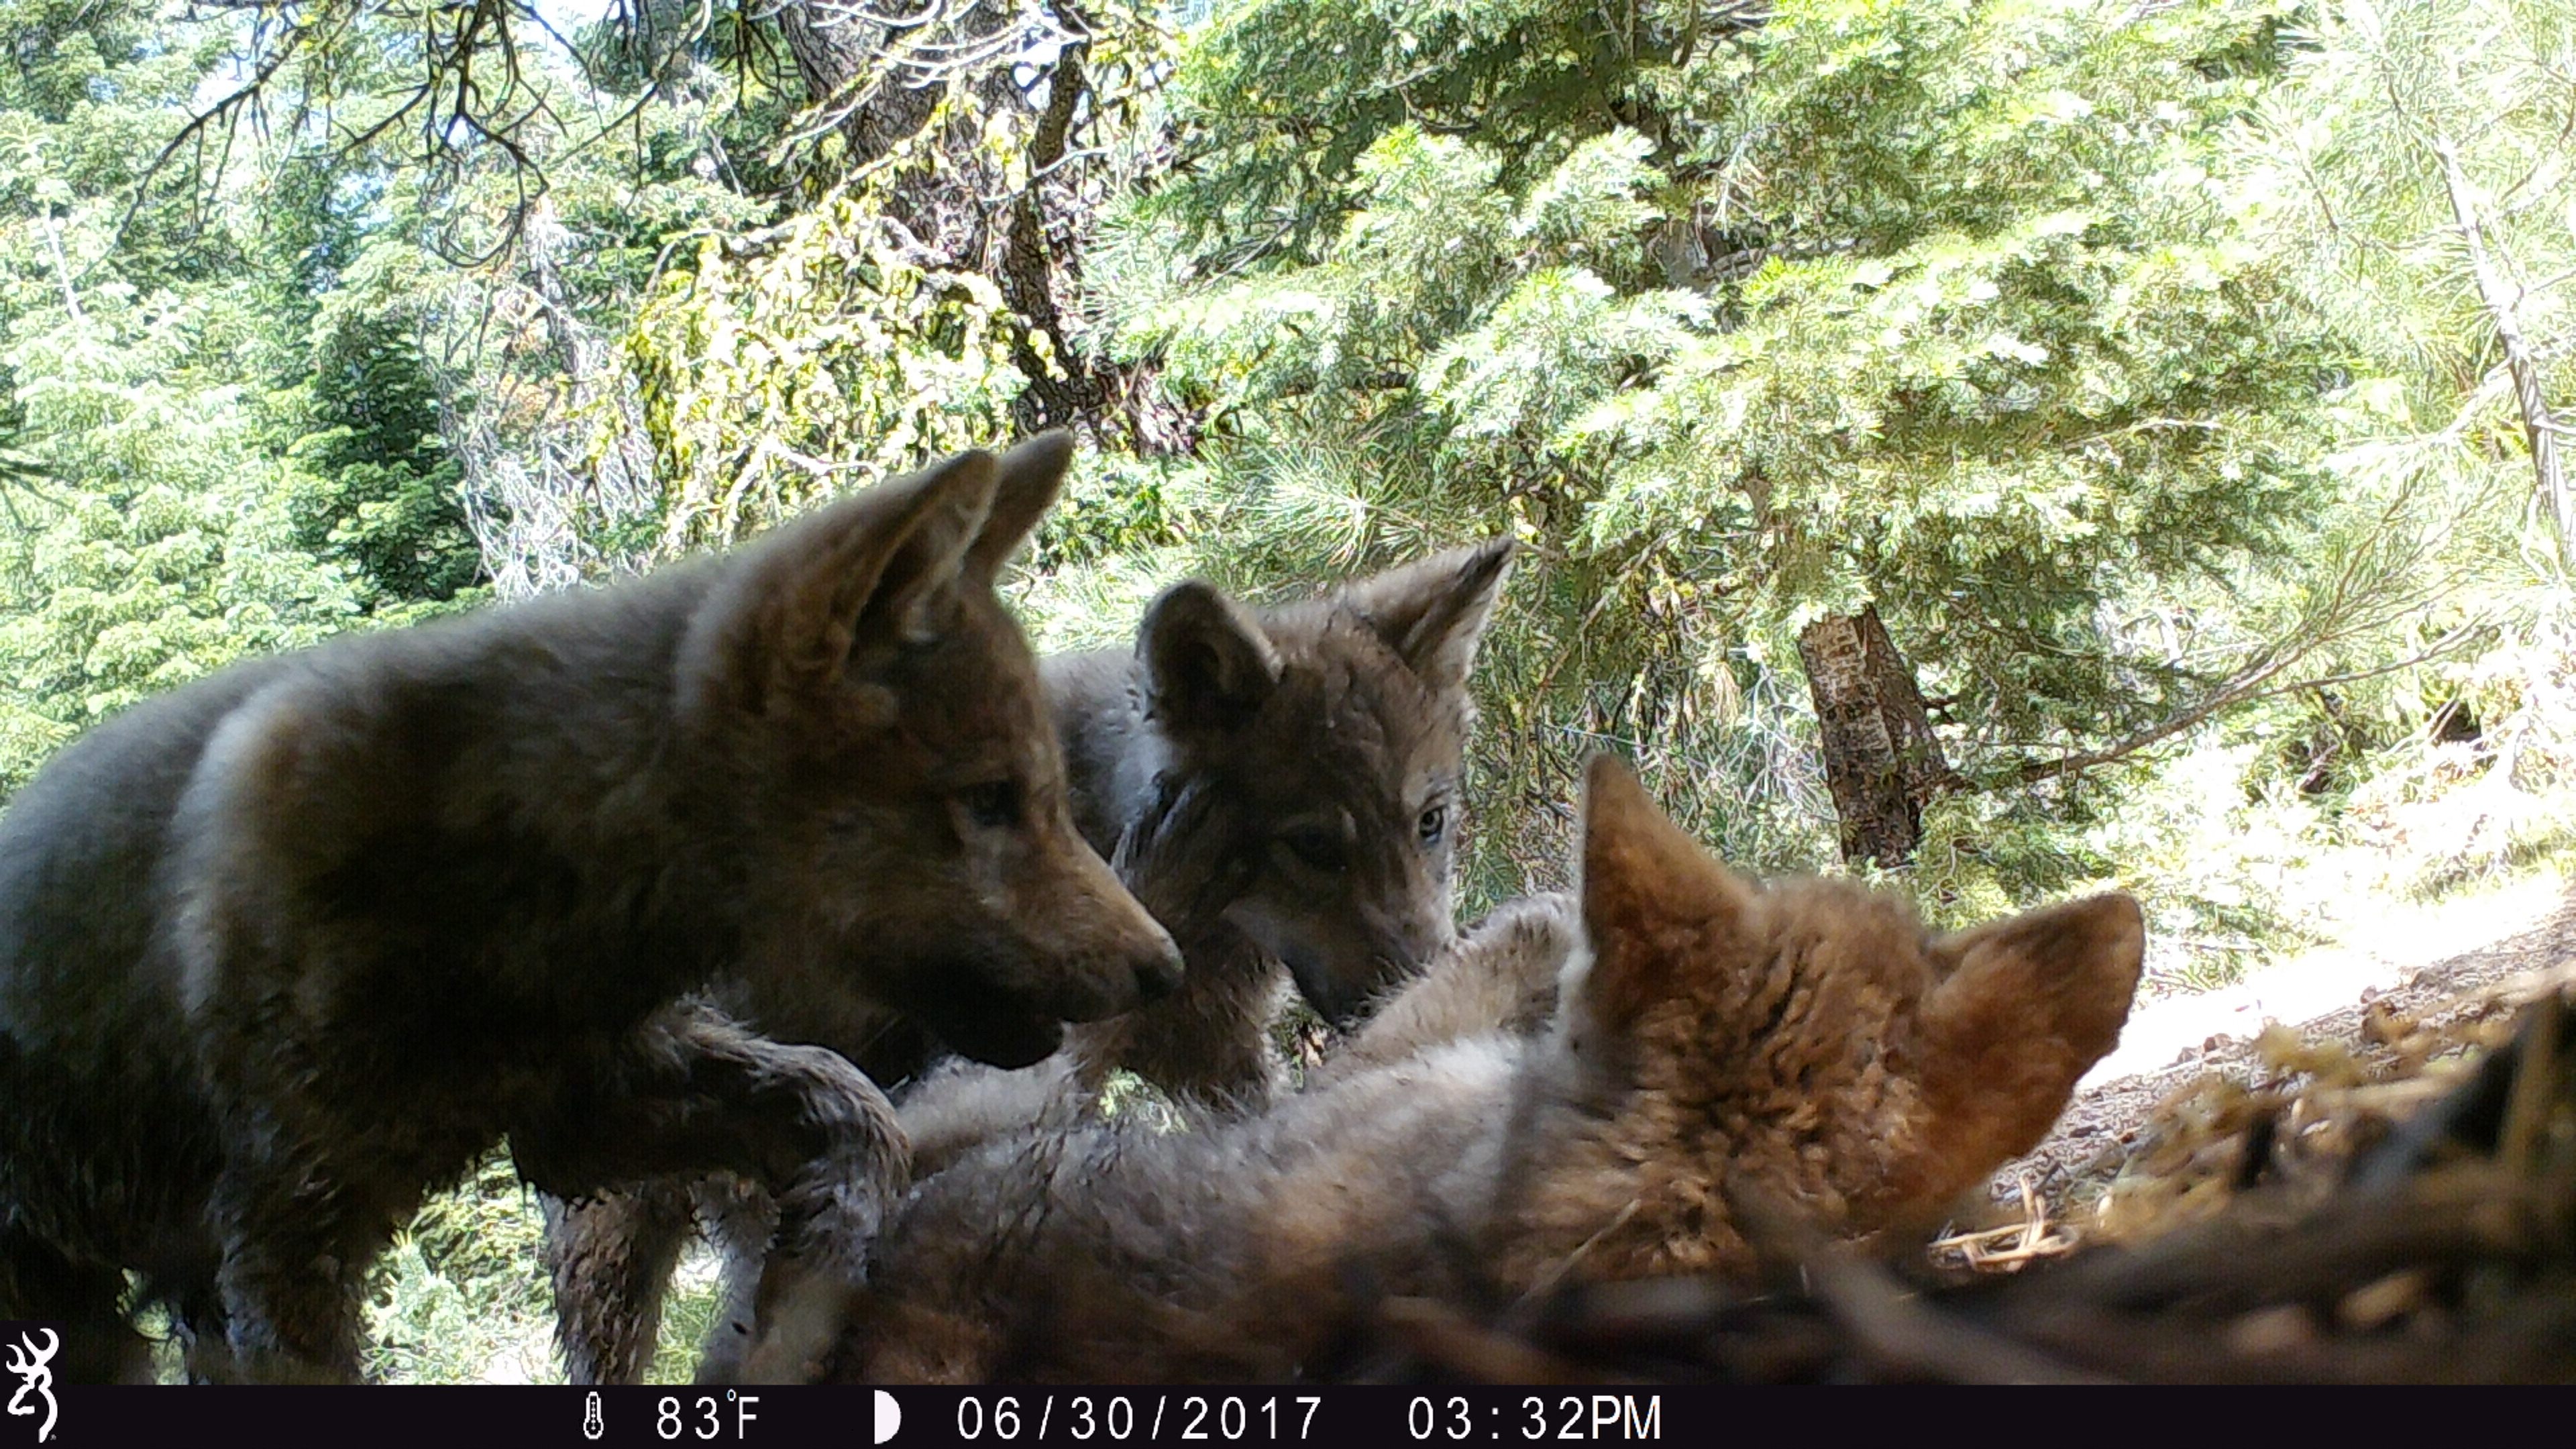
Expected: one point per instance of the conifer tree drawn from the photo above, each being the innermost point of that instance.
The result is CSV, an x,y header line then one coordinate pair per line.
x,y
1925,335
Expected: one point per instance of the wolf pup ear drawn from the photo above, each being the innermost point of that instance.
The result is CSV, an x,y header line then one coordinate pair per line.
x,y
884,566
1432,612
1030,476
2027,1007
1658,910
920,563
1208,662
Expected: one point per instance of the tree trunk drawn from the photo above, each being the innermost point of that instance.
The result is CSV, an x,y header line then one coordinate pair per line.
x,y
1881,758
1062,387
835,49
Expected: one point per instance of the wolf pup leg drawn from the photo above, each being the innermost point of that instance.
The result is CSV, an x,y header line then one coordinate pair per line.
x,y
739,1221
617,1248
293,1277
697,1093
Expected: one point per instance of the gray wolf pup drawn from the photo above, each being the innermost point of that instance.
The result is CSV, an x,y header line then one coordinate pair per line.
x,y
1807,1039
1296,770
284,949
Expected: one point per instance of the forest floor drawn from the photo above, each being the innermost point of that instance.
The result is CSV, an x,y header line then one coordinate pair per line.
x,y
2435,966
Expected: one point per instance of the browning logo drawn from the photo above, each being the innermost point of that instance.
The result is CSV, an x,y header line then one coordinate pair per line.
x,y
27,1350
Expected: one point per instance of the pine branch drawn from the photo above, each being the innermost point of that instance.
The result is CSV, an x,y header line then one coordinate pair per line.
x,y
2247,687
2540,426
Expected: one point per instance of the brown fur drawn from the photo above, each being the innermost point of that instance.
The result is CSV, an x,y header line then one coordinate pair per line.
x,y
1807,1039
286,948
1278,786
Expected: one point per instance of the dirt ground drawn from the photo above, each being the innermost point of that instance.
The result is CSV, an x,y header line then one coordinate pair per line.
x,y
2328,1002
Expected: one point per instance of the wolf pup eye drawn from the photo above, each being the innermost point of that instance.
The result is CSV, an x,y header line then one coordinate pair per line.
x,y
994,805
1433,824
1315,846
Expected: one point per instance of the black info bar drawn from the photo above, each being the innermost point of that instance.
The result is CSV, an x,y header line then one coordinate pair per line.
x,y
1337,1416
481,1415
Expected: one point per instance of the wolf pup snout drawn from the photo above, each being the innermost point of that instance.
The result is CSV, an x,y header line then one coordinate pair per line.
x,y
1160,979
1122,957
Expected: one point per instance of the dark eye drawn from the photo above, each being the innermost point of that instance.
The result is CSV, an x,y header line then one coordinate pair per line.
x,y
994,805
1315,846
1433,824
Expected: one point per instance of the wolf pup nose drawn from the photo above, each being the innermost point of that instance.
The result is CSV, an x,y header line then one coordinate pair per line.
x,y
1160,979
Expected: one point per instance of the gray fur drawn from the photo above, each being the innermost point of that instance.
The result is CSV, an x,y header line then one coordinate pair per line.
x,y
1186,758
1807,1043
285,949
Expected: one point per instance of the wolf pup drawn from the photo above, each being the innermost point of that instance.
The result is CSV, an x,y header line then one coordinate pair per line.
x,y
286,948
1278,786
1298,768
1807,1040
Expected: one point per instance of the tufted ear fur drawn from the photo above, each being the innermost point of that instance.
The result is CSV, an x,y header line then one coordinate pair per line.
x,y
1208,663
1028,478
1657,909
881,568
1432,612
2026,1006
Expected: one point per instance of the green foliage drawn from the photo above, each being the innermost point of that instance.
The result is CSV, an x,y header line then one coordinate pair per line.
x,y
159,547
1282,100
214,457
455,1300
1943,306
2346,165
378,493
820,358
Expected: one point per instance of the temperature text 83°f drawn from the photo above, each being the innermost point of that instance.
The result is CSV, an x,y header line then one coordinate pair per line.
x,y
705,1416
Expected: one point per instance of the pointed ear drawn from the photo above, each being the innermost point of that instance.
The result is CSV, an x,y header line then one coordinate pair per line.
x,y
1208,662
1030,476
1657,909
1431,613
2028,1006
883,567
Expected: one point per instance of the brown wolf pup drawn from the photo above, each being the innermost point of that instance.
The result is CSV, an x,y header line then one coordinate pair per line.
x,y
1296,772
1806,1038
286,948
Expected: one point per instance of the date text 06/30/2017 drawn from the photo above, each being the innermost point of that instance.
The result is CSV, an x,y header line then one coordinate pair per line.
x,y
1228,1418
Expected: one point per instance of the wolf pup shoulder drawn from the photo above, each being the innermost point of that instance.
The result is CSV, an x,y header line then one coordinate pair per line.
x,y
1806,1042
286,948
